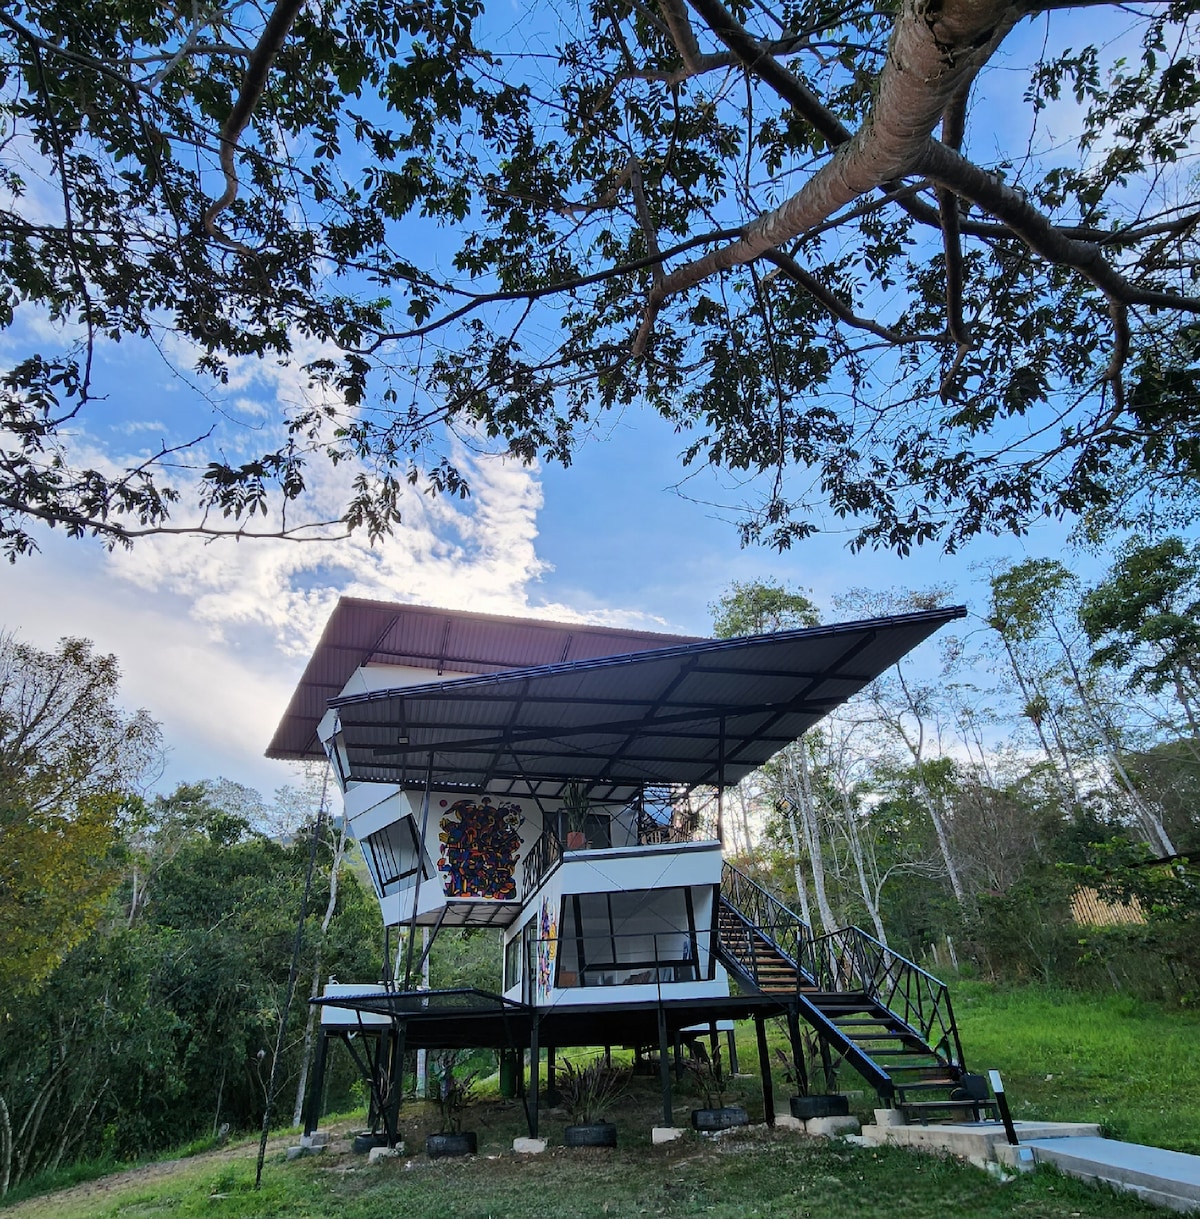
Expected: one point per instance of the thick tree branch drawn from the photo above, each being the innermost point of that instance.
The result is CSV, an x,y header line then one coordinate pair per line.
x,y
253,83
935,51
1022,219
953,128
817,290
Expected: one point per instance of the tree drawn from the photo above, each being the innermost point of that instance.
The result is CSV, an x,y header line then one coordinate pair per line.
x,y
158,1029
799,233
1144,618
1035,610
761,607
70,760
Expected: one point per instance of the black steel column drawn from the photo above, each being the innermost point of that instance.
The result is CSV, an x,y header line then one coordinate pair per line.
x,y
799,1064
316,1086
827,1068
535,1065
731,1041
764,1067
391,1122
664,1067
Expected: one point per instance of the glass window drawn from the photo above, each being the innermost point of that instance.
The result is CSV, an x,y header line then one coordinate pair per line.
x,y
392,856
512,962
628,938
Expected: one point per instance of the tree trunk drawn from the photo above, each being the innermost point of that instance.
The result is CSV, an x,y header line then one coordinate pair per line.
x,y
1071,794
797,855
932,806
306,1054
6,1147
812,833
1154,827
869,896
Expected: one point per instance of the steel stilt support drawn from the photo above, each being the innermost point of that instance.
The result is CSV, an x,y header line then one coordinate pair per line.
x,y
799,1063
764,1067
316,1087
535,1066
664,1066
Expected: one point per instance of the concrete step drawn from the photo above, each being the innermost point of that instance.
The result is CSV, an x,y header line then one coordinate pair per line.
x,y
1169,1178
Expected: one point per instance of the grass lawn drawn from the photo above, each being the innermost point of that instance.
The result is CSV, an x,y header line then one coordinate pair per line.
x,y
756,1173
1134,1067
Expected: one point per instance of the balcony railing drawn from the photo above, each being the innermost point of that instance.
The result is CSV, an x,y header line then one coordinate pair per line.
x,y
542,858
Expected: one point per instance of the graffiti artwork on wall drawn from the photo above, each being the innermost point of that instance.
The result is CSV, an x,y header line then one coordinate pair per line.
x,y
546,948
480,843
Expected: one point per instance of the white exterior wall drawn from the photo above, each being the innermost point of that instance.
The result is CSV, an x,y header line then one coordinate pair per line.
x,y
695,866
623,867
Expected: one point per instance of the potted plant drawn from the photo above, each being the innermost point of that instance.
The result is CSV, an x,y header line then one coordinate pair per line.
x,y
709,1076
587,1094
575,806
801,1071
452,1089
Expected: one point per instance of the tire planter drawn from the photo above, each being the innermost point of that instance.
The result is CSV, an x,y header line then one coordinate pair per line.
x,y
593,1134
366,1140
725,1118
832,1105
438,1146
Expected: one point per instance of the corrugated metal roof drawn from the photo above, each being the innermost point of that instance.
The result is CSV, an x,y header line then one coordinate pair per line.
x,y
693,713
360,632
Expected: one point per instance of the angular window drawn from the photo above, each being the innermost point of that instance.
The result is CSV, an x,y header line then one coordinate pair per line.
x,y
631,938
393,857
512,962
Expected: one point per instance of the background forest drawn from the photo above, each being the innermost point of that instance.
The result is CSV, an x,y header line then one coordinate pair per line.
x,y
952,810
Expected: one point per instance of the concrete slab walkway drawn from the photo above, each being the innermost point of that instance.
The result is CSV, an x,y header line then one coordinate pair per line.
x,y
1169,1178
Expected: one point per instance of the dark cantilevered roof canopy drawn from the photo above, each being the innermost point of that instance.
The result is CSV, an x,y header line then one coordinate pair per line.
x,y
697,713
362,632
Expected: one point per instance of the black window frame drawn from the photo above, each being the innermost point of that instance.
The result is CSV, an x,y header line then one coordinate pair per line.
x,y
380,851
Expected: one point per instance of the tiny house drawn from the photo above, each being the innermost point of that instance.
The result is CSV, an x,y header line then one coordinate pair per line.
x,y
564,783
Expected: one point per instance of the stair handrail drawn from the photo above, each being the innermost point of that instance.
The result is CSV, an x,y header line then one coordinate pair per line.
x,y
851,959
763,911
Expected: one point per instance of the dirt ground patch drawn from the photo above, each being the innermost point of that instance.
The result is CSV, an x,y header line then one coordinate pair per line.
x,y
147,1174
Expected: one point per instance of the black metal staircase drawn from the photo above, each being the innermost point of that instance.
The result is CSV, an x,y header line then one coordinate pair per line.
x,y
881,1014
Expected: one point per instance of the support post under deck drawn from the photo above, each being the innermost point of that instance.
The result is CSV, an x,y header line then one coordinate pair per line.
x,y
664,1066
535,1064
764,1067
316,1087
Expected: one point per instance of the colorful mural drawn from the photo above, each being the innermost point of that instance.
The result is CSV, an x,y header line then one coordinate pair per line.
x,y
480,844
547,949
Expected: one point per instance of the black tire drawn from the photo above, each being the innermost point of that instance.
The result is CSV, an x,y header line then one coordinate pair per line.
x,y
806,1107
594,1134
438,1146
709,1120
364,1141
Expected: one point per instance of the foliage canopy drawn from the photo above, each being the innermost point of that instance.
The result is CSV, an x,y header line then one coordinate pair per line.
x,y
817,239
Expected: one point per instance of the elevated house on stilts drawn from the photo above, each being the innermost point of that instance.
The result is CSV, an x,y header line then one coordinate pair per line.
x,y
564,784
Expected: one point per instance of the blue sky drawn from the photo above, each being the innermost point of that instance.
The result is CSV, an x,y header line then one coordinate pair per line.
x,y
212,637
